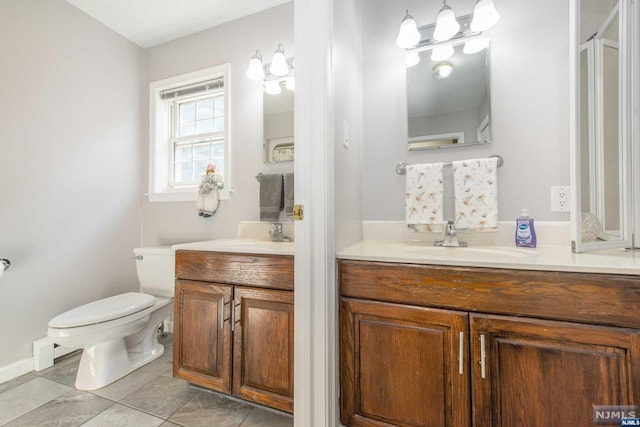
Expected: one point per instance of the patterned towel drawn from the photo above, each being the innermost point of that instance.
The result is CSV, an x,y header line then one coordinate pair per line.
x,y
424,194
475,184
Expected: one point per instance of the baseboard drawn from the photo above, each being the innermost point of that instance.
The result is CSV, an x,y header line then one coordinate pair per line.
x,y
15,369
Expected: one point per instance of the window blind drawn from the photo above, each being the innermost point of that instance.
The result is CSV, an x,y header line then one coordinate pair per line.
x,y
193,89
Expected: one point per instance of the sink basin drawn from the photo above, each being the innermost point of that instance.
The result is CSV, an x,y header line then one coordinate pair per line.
x,y
241,246
479,253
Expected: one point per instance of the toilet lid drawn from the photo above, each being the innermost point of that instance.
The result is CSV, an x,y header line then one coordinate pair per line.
x,y
103,310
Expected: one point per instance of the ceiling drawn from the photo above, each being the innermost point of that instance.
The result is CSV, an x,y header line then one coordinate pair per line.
x,y
151,22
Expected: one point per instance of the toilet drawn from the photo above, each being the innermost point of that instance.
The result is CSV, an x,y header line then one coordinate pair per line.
x,y
119,334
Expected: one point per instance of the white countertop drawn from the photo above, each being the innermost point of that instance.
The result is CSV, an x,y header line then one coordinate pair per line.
x,y
550,258
245,246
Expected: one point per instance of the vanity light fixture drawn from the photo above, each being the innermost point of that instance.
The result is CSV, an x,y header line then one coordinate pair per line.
x,y
446,24
448,27
485,16
280,70
408,36
256,69
279,66
442,70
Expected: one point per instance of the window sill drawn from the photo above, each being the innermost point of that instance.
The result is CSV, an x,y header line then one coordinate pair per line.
x,y
184,196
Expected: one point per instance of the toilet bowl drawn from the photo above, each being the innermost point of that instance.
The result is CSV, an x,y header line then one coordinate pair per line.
x,y
119,334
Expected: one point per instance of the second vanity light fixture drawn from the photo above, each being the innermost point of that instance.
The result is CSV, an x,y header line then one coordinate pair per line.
x,y
485,16
280,70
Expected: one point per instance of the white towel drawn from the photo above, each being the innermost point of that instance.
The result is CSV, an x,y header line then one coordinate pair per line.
x,y
424,194
475,184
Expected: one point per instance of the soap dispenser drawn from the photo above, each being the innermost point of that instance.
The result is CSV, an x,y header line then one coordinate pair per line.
x,y
525,233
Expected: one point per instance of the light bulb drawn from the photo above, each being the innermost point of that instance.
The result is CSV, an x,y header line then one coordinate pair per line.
x,y
475,45
412,59
255,71
272,87
442,70
446,25
441,53
485,16
279,65
408,35
290,84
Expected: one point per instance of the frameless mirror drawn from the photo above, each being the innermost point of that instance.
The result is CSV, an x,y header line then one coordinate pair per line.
x,y
448,93
278,142
601,159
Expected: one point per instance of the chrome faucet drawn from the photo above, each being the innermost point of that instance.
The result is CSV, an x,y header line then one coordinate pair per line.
x,y
450,238
276,234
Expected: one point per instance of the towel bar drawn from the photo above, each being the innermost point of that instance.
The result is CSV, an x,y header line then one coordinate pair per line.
x,y
401,168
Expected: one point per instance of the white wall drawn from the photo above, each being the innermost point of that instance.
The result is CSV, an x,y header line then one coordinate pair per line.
x,y
234,43
69,118
529,84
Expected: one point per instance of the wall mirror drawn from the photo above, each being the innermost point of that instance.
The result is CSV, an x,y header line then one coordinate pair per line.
x,y
602,117
278,144
448,99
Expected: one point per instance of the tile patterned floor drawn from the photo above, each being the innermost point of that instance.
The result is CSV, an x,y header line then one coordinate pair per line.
x,y
149,396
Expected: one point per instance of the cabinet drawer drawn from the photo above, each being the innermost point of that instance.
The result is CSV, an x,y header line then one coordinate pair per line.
x,y
269,271
607,299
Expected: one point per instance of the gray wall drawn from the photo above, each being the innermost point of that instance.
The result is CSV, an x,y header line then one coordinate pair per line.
x,y
347,85
530,105
233,43
69,118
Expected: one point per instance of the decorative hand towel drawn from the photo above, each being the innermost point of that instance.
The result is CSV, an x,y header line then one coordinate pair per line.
x,y
288,194
270,197
424,194
475,187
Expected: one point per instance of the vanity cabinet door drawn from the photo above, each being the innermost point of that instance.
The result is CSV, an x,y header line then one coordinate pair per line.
x,y
403,365
202,334
263,346
546,373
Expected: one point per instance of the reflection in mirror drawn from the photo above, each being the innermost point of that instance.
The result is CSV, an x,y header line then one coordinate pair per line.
x,y
278,125
602,124
452,107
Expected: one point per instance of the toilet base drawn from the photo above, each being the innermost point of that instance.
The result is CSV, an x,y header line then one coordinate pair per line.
x,y
108,361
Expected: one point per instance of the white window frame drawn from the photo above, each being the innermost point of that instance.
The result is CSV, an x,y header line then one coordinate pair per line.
x,y
160,147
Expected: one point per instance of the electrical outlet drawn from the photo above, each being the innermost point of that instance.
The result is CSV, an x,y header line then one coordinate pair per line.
x,y
559,199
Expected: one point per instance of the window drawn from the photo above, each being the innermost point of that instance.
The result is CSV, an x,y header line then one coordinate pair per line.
x,y
189,118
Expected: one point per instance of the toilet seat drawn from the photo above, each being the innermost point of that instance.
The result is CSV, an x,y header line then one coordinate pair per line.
x,y
104,310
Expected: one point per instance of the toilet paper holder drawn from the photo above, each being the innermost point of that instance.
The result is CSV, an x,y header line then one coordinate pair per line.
x,y
5,264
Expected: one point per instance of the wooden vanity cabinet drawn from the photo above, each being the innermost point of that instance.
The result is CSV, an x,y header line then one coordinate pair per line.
x,y
403,365
439,346
233,324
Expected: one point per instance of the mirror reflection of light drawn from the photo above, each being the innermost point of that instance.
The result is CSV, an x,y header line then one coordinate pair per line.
x,y
272,87
475,45
442,70
413,58
441,53
290,84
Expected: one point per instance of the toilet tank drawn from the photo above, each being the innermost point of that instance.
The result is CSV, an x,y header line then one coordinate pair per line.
x,y
156,270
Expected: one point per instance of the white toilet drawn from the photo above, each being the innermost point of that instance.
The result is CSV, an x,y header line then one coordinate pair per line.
x,y
118,334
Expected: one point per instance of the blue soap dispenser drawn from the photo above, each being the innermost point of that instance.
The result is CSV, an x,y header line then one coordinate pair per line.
x,y
525,233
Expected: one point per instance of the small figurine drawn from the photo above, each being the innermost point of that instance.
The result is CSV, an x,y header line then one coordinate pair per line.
x,y
208,192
